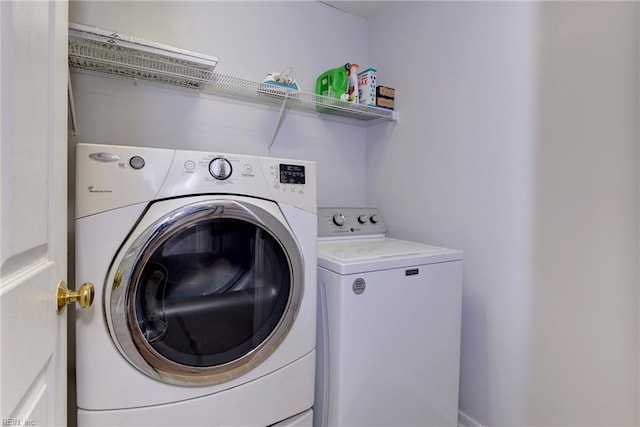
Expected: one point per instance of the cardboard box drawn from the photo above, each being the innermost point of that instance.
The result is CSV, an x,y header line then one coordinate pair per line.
x,y
386,92
385,103
367,86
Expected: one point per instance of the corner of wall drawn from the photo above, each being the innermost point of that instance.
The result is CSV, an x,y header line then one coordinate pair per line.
x,y
465,420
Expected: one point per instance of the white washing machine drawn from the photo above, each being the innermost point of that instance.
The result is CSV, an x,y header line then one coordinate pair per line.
x,y
205,282
389,317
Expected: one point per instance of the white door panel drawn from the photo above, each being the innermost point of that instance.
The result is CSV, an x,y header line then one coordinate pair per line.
x,y
28,302
33,201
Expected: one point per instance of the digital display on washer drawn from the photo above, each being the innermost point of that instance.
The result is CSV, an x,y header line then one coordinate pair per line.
x,y
291,174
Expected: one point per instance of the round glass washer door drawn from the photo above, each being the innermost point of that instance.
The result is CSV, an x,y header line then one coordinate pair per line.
x,y
206,293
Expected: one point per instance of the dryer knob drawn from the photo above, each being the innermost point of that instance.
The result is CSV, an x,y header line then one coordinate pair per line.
x,y
338,219
374,219
362,219
220,168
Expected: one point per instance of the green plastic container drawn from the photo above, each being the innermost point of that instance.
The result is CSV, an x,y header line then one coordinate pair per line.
x,y
333,83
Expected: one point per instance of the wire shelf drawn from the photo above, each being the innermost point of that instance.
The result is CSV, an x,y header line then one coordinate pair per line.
x,y
234,87
100,51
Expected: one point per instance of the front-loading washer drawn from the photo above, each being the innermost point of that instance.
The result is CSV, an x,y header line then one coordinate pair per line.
x,y
205,282
389,313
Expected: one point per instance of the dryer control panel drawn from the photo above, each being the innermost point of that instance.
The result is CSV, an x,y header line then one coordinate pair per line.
x,y
349,222
282,180
112,176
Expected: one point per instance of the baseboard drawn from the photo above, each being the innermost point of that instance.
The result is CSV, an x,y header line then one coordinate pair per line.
x,y
465,420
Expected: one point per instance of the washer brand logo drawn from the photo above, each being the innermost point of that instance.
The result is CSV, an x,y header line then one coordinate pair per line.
x,y
93,190
359,286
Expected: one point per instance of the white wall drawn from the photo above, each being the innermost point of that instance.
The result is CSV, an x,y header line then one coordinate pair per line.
x,y
585,258
518,143
251,39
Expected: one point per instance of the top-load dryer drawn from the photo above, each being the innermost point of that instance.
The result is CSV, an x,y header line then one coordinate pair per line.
x,y
204,267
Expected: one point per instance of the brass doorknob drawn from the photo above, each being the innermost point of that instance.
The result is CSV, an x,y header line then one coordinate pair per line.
x,y
83,296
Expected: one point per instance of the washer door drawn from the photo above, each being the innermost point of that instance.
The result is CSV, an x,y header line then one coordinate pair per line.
x,y
206,293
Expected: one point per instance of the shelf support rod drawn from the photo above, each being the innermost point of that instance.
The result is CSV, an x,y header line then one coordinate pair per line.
x,y
72,107
279,121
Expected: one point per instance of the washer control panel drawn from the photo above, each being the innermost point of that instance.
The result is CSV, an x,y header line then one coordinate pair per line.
x,y
334,222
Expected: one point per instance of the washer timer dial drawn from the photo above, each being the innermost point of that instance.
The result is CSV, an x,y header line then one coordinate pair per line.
x,y
339,220
220,168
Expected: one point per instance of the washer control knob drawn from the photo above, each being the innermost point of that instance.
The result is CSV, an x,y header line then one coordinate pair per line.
x,y
362,219
338,219
220,168
374,219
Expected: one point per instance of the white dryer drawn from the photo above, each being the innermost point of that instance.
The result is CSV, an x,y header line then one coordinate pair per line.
x,y
389,315
205,282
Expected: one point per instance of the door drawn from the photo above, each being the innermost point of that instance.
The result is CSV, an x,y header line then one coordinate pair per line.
x,y
206,292
33,201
